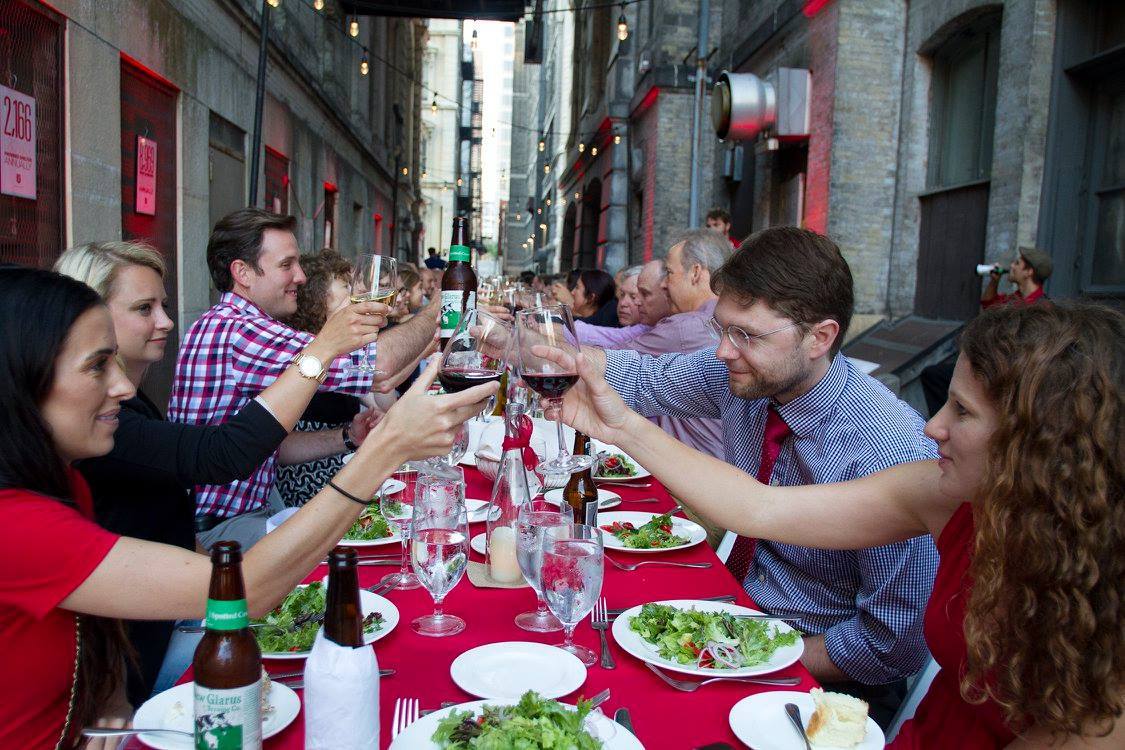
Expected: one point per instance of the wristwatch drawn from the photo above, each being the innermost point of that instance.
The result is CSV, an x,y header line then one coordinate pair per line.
x,y
349,444
309,366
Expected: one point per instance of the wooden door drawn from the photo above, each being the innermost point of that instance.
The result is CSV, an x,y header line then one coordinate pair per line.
x,y
950,243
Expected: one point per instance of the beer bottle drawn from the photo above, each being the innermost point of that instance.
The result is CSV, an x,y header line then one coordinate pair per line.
x,y
581,494
459,282
227,662
341,673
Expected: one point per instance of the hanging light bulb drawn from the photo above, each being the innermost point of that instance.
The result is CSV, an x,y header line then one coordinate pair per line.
x,y
473,41
542,144
364,67
318,4
581,147
443,188
425,174
353,26
460,182
548,201
519,217
578,196
622,25
539,211
616,138
433,105
543,227
274,3
593,151
546,169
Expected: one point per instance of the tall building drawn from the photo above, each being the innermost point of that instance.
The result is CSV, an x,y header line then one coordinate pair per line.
x,y
144,130
441,85
497,56
520,227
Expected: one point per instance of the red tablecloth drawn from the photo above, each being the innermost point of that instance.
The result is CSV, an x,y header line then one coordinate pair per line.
x,y
662,717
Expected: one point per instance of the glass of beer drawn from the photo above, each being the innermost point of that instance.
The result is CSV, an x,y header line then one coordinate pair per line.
x,y
374,279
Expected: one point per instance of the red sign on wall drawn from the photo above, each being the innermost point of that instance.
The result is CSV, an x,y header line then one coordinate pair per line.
x,y
146,176
17,143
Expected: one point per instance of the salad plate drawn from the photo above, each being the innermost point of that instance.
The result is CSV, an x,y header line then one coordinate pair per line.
x,y
174,709
619,521
606,499
390,487
508,670
371,516
368,602
760,721
774,656
626,468
479,543
419,735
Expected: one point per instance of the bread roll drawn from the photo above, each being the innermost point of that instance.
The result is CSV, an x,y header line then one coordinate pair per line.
x,y
838,721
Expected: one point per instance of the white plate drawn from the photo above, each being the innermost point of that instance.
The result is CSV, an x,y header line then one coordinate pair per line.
x,y
680,527
417,736
597,446
760,721
632,642
369,603
155,713
476,509
606,499
508,670
390,487
478,543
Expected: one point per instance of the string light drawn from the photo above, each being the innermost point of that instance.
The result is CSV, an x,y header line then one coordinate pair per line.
x,y
581,147
519,217
274,3
542,144
433,105
548,201
318,4
562,201
622,25
594,151
578,196
538,211
460,182
546,169
353,27
405,171
425,174
364,66
473,41
543,227
616,138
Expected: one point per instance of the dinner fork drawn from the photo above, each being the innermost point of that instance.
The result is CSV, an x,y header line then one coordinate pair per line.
x,y
106,732
599,621
688,686
668,563
407,711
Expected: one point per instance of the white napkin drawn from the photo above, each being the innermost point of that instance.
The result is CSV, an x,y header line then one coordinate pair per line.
x,y
341,697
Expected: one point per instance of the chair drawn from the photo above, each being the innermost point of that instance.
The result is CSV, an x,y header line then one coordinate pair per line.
x,y
919,684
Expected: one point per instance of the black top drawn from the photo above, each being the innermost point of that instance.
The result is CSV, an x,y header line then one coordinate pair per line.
x,y
606,315
143,489
297,483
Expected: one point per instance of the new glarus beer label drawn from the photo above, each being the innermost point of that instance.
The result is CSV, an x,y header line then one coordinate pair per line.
x,y
451,309
227,615
460,252
228,719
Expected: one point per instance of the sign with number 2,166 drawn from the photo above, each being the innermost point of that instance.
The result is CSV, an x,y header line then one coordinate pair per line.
x,y
17,143
146,176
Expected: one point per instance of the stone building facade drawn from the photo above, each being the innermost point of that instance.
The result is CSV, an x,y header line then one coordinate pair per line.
x,y
182,75
441,81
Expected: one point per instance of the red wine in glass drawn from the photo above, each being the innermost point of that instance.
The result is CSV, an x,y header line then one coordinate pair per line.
x,y
457,379
553,385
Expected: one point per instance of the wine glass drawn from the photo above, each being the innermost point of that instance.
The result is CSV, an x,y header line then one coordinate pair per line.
x,y
550,326
536,519
398,509
571,579
374,279
440,546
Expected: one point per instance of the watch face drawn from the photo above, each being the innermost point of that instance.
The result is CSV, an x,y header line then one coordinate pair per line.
x,y
310,366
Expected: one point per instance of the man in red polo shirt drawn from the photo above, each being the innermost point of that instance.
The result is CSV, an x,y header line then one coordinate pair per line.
x,y
1028,271
718,220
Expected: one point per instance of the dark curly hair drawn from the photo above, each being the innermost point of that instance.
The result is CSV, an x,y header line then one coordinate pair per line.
x,y
312,297
1044,617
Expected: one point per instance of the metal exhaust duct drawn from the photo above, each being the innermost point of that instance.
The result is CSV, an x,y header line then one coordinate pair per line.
x,y
742,106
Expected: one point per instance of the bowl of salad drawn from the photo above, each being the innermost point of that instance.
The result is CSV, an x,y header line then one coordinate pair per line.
x,y
635,531
289,630
532,722
707,638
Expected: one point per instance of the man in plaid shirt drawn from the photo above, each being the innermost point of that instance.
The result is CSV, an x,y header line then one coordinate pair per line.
x,y
238,347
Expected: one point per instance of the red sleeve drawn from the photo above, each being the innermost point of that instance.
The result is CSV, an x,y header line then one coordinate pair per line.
x,y
47,549
999,299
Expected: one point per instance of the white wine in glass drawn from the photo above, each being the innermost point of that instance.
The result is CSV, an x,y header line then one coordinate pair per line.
x,y
374,279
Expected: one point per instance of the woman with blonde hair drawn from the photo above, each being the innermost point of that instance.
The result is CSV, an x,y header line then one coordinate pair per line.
x,y
1026,505
143,487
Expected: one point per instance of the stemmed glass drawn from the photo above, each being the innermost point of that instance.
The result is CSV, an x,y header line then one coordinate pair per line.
x,y
571,578
374,279
537,519
550,326
440,546
398,509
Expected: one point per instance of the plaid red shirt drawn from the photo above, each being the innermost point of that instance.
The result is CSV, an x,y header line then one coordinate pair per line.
x,y
229,356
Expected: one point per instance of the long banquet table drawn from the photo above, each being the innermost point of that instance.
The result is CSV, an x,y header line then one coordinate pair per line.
x,y
662,716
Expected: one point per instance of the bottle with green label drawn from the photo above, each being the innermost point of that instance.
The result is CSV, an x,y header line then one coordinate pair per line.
x,y
459,282
227,662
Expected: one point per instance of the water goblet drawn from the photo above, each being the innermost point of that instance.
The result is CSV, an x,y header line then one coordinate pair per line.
x,y
398,510
571,579
536,519
440,546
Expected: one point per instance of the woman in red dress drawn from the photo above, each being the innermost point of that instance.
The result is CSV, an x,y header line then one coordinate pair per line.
x,y
1027,507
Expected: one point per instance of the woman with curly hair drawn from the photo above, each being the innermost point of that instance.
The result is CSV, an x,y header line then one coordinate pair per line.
x,y
1026,505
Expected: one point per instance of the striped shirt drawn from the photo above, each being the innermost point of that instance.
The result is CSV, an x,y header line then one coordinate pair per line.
x,y
868,603
230,355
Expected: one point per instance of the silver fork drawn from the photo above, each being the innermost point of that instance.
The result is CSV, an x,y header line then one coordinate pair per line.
x,y
600,622
688,686
669,563
407,711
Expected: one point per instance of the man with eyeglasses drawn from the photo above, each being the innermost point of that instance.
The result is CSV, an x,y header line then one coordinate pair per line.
x,y
795,411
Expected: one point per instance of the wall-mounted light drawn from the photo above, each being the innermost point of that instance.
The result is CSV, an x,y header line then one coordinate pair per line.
x,y
433,106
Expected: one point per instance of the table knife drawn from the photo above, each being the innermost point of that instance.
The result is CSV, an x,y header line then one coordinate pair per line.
x,y
622,718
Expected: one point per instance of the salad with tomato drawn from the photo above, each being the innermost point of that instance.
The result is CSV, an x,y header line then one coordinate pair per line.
x,y
292,626
534,723
617,465
369,526
655,534
716,640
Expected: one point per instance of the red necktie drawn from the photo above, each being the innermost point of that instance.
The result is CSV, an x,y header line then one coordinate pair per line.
x,y
738,562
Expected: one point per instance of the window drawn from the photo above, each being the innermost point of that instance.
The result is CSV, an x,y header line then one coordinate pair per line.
x,y
277,182
964,96
1107,257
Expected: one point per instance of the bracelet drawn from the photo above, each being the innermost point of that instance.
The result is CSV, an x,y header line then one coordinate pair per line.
x,y
349,444
347,494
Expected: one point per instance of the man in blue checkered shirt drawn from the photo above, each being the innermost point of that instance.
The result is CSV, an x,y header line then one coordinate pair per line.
x,y
785,301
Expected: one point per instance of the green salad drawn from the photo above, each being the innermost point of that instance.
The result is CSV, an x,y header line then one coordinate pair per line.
x,y
617,465
532,724
655,534
293,624
369,526
716,640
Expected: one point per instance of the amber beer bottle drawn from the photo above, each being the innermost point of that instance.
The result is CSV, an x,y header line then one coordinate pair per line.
x,y
581,494
459,282
343,617
227,662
